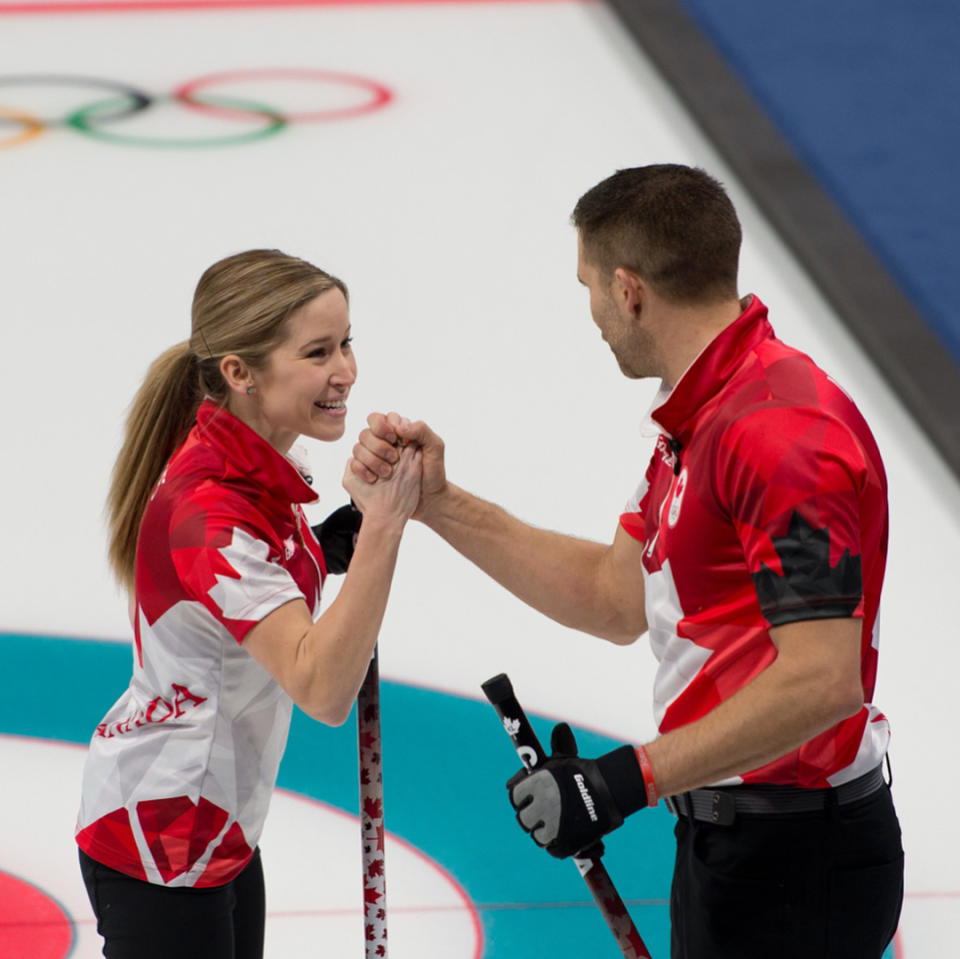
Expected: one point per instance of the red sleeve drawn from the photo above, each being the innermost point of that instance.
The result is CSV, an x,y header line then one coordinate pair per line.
x,y
228,560
791,480
632,519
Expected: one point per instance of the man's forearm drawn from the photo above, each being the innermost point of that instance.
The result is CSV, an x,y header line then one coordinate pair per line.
x,y
561,576
792,701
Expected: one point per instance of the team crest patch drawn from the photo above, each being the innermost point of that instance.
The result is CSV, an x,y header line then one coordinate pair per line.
x,y
679,489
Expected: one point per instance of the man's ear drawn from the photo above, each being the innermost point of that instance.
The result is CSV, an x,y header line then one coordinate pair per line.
x,y
629,290
236,374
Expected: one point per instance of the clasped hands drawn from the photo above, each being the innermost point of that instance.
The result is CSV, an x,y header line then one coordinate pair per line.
x,y
378,449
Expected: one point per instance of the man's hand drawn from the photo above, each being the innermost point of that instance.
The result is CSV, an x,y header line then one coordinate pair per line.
x,y
378,449
569,802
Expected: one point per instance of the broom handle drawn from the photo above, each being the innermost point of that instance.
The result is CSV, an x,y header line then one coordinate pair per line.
x,y
371,813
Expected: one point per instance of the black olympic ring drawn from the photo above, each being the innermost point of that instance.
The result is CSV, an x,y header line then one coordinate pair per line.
x,y
96,119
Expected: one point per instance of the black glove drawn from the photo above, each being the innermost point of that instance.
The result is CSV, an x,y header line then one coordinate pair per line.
x,y
337,536
568,802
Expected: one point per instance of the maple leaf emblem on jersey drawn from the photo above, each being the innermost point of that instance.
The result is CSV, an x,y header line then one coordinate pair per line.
x,y
250,592
810,587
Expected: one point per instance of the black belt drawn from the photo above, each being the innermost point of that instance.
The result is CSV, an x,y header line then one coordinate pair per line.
x,y
722,804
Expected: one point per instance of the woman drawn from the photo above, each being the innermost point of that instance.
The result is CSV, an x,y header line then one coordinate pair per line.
x,y
208,535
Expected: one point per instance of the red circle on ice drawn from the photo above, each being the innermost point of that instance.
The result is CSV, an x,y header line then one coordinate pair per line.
x,y
32,925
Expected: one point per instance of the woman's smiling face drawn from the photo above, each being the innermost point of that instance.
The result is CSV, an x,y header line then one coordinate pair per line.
x,y
303,389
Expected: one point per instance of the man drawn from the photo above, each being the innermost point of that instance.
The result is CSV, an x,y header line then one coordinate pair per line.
x,y
753,553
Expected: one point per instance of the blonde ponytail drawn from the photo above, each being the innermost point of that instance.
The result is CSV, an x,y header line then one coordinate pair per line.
x,y
160,417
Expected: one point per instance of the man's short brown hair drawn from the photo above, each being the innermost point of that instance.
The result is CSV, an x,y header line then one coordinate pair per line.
x,y
673,225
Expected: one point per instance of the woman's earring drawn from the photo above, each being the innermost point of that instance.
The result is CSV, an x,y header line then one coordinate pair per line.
x,y
250,390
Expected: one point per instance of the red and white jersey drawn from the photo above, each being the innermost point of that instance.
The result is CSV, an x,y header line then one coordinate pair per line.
x,y
764,503
181,770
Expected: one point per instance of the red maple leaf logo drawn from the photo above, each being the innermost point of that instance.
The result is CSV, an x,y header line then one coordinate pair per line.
x,y
373,808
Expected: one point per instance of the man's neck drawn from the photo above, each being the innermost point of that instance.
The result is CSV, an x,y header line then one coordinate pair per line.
x,y
688,330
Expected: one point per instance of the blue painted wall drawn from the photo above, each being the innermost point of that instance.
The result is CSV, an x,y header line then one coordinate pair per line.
x,y
868,94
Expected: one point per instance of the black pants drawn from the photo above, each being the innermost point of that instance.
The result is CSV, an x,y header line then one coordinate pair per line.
x,y
827,884
141,920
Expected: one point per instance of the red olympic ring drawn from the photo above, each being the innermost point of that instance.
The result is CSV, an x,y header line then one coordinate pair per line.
x,y
379,94
97,119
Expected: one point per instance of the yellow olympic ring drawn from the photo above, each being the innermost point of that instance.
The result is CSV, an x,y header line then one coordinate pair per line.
x,y
32,127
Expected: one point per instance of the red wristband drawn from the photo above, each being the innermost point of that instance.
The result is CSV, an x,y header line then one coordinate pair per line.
x,y
646,770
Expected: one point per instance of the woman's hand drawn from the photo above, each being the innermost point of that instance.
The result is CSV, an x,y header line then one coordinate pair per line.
x,y
374,455
394,498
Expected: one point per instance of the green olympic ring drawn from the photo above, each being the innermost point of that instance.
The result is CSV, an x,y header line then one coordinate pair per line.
x,y
97,120
84,120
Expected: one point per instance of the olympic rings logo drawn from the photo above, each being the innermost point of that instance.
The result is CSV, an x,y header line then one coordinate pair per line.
x,y
101,118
